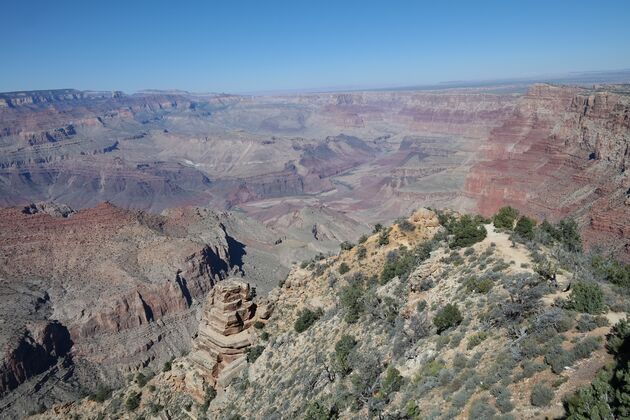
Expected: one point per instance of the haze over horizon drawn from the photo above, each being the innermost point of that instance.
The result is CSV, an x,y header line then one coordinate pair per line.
x,y
253,47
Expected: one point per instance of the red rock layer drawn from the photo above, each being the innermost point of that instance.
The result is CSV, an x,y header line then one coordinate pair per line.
x,y
564,152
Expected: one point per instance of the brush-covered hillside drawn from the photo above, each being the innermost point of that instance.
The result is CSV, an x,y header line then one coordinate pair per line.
x,y
439,316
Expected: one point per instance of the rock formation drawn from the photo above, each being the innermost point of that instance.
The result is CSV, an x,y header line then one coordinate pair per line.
x,y
103,292
225,334
563,152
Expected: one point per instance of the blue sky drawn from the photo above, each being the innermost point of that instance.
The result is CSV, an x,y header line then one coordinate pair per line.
x,y
241,46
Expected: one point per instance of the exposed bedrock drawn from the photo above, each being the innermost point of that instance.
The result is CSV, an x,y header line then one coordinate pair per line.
x,y
563,152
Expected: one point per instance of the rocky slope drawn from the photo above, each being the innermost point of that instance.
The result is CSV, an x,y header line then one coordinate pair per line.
x,y
363,334
564,151
90,296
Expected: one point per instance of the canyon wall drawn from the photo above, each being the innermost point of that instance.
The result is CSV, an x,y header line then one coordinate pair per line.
x,y
563,152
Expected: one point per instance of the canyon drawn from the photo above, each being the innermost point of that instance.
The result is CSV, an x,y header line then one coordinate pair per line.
x,y
139,228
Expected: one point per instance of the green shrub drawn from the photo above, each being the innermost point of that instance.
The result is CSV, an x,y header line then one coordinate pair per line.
x,y
586,297
525,228
447,317
343,348
351,298
476,339
466,231
142,379
102,394
377,228
473,284
133,401
361,252
208,397
566,232
391,382
254,353
505,217
405,225
316,410
432,369
383,237
346,246
306,318
558,358
259,325
480,409
541,395
343,268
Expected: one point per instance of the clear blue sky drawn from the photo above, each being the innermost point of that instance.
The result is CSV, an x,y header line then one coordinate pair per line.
x,y
238,46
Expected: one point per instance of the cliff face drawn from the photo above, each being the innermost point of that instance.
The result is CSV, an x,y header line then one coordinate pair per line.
x,y
93,295
563,152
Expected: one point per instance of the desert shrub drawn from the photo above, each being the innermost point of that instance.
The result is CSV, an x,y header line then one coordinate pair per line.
x,y
476,339
531,368
546,269
557,358
391,382
351,298
401,262
133,401
317,410
503,398
364,377
474,284
254,353
346,246
608,395
587,322
432,369
525,228
586,297
456,338
405,225
363,238
168,365
155,409
383,237
142,379
553,317
305,319
377,228
541,395
208,397
361,252
259,325
585,347
459,361
613,271
469,251
447,317
343,268
466,231
343,348
264,335
505,217
480,409
102,394
618,338
421,306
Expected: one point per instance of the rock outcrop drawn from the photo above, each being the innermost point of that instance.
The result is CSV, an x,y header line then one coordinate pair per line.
x,y
225,334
